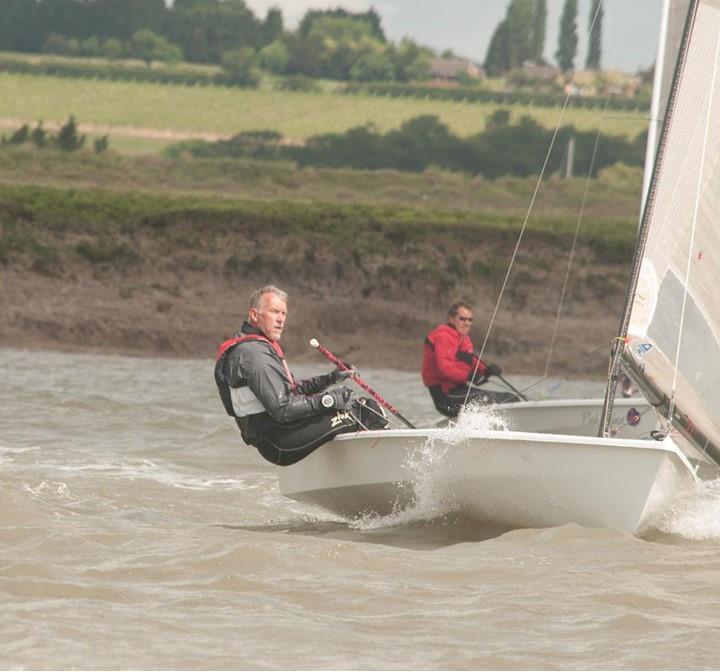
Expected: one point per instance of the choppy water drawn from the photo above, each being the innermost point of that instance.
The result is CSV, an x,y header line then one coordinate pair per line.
x,y
138,532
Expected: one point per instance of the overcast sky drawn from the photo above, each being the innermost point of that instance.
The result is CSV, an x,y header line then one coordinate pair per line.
x,y
630,27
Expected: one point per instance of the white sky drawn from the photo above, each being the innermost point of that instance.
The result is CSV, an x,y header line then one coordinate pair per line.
x,y
630,27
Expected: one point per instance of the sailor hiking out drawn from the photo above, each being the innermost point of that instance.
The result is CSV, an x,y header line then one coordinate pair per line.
x,y
283,418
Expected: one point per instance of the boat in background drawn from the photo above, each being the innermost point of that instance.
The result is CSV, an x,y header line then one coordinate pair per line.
x,y
632,418
668,341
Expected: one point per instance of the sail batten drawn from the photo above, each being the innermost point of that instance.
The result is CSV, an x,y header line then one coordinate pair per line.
x,y
672,343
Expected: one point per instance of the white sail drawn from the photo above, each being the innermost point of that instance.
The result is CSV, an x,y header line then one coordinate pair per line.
x,y
673,336
674,18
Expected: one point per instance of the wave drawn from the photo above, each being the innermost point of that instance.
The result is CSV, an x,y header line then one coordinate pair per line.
x,y
431,497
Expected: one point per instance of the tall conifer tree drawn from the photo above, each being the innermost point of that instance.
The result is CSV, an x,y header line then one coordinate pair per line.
x,y
594,54
519,37
497,59
539,31
521,29
568,39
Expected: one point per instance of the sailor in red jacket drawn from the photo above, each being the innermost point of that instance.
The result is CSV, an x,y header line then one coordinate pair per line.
x,y
451,371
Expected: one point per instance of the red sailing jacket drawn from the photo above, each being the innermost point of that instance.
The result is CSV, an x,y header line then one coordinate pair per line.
x,y
441,365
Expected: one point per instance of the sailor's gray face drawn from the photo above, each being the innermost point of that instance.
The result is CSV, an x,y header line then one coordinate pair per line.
x,y
270,316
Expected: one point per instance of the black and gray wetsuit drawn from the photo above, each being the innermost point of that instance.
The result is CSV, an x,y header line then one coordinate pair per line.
x,y
285,420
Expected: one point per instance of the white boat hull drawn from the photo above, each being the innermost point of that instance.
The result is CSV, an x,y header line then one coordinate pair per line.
x,y
507,479
632,418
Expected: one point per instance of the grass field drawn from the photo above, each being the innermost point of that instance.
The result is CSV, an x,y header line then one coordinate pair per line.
x,y
227,111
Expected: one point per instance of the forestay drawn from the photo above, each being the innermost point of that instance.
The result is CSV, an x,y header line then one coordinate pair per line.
x,y
673,328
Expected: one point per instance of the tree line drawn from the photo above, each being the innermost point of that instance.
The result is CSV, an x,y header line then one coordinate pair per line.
x,y
68,137
503,148
335,44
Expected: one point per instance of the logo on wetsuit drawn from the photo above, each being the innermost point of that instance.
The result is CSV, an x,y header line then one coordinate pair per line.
x,y
339,417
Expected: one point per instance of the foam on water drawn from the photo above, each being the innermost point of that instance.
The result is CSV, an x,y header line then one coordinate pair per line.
x,y
55,488
695,513
432,495
9,453
162,473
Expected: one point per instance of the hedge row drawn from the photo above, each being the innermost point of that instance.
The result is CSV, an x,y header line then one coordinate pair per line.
x,y
190,78
114,72
498,97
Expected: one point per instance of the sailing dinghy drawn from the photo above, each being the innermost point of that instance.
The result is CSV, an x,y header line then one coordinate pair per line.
x,y
669,342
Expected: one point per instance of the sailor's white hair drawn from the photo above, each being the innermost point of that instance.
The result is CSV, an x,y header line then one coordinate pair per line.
x,y
256,296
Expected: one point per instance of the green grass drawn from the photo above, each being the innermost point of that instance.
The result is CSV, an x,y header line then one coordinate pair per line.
x,y
613,196
356,225
227,111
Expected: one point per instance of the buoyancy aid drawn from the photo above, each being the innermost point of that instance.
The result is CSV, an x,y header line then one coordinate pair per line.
x,y
448,358
240,401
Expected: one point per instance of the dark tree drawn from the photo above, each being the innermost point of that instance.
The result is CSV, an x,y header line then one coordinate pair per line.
x,y
17,23
273,26
497,59
538,46
39,135
205,29
371,18
568,39
521,29
101,144
518,38
594,54
68,137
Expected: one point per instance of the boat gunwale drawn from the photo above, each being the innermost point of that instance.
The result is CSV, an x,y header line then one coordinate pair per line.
x,y
666,445
569,403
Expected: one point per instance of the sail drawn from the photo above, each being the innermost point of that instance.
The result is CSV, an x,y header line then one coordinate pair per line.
x,y
672,346
672,28
677,12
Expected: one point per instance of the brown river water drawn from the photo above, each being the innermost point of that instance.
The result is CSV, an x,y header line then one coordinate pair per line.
x,y
137,531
